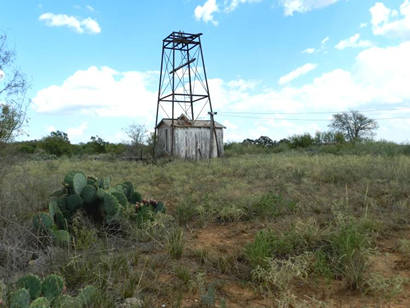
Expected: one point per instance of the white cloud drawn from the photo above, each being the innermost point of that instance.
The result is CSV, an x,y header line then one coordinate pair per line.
x,y
206,12
353,42
363,25
389,22
100,91
90,8
231,5
303,6
87,25
309,50
75,133
320,49
300,71
2,74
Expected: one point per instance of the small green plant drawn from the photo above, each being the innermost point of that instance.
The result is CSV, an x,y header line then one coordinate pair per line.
x,y
32,283
175,242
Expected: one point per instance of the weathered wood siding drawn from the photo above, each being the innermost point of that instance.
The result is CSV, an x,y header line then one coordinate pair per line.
x,y
189,142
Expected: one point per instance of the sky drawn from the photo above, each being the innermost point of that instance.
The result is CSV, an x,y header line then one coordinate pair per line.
x,y
275,67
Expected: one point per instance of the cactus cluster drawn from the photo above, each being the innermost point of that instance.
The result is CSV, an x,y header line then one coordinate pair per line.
x,y
98,199
32,292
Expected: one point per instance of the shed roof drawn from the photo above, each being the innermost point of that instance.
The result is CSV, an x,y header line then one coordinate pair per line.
x,y
183,121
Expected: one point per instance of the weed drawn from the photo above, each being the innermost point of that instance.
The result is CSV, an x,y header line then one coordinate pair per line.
x,y
175,241
404,247
277,274
349,253
271,205
382,286
184,275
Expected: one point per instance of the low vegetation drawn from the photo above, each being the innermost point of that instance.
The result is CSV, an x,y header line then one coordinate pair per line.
x,y
257,228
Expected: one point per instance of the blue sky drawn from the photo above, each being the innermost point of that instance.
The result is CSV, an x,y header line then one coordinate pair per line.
x,y
282,66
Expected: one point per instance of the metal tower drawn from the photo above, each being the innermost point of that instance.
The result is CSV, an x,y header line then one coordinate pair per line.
x,y
183,84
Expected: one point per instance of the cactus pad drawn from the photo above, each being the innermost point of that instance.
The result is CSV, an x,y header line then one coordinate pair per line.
x,y
88,295
40,302
66,301
61,238
42,222
74,202
111,205
20,299
89,193
135,197
32,283
52,286
76,181
120,196
128,189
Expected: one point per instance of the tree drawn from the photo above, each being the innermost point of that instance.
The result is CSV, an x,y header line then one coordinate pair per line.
x,y
13,88
57,143
353,125
138,135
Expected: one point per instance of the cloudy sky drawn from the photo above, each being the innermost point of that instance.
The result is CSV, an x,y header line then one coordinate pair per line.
x,y
275,67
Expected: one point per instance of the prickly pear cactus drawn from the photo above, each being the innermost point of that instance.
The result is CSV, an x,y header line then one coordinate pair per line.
x,y
66,301
32,283
120,196
89,193
111,205
128,189
76,181
135,197
104,183
61,238
41,302
60,221
74,202
88,296
92,180
53,207
42,223
20,299
52,286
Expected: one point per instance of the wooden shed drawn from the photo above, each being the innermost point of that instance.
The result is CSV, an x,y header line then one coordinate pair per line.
x,y
192,139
